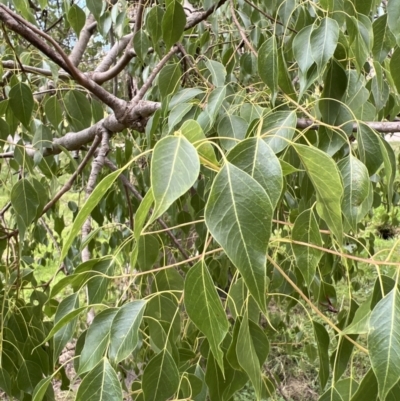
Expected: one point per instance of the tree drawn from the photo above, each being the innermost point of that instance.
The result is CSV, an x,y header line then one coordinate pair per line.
x,y
187,167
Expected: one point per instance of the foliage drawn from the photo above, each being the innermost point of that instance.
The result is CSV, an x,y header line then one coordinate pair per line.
x,y
199,177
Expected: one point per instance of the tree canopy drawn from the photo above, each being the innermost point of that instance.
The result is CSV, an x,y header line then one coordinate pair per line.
x,y
195,175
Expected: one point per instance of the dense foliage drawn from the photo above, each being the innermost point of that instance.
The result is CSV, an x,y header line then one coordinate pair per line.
x,y
196,176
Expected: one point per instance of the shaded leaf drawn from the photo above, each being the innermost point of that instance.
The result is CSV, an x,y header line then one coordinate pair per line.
x,y
268,65
173,23
20,100
322,338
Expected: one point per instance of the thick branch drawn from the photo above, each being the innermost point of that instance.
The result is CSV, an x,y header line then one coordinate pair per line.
x,y
380,126
84,37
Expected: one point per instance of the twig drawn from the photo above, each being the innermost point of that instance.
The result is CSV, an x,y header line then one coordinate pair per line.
x,y
240,29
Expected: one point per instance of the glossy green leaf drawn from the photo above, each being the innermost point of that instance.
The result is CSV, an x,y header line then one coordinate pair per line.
x,y
217,71
25,202
41,389
384,40
356,190
302,49
205,309
174,169
95,7
393,17
53,111
193,132
77,18
96,340
100,384
141,44
148,250
368,388
20,100
124,335
268,65
160,378
384,342
306,229
61,338
328,186
322,339
142,212
323,41
153,23
257,159
238,214
169,78
98,283
234,127
78,110
247,356
369,148
173,23
278,129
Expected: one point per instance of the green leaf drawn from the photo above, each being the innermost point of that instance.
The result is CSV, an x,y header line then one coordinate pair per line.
x,y
100,384
323,42
25,202
95,7
53,111
247,356
141,44
306,229
384,342
160,378
183,96
5,382
328,186
42,139
98,284
217,71
124,334
207,117
41,389
29,375
142,212
368,388
268,65
238,214
61,338
393,17
257,159
394,68
153,23
97,340
168,79
205,309
302,49
173,23
76,18
87,208
369,148
174,169
148,250
78,110
384,40
193,132
389,162
20,100
177,114
340,391
234,127
356,190
278,129
322,338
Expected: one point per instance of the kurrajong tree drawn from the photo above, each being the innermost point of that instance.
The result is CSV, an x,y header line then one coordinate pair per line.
x,y
199,174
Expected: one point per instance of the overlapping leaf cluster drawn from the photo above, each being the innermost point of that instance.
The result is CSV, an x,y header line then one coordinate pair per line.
x,y
246,193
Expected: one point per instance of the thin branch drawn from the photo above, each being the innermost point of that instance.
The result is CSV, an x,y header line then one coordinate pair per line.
x,y
272,19
68,185
201,16
138,196
240,29
146,86
84,37
139,17
10,65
